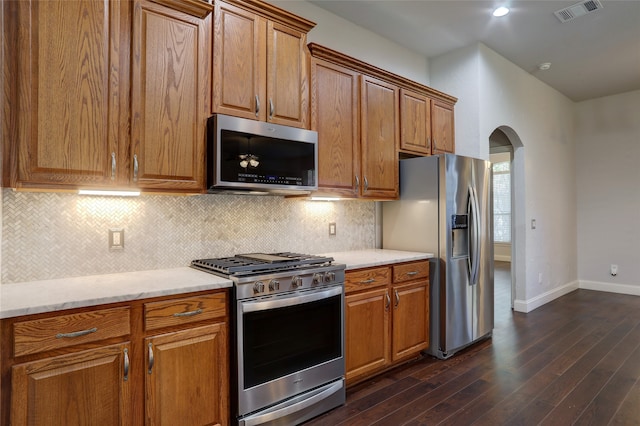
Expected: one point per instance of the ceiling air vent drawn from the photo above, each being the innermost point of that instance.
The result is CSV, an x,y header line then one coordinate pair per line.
x,y
577,10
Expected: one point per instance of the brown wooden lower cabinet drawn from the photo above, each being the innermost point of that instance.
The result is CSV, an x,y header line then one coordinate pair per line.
x,y
83,388
387,319
130,370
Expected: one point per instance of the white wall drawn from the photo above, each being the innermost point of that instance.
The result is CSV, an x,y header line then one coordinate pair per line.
x,y
608,171
494,92
346,37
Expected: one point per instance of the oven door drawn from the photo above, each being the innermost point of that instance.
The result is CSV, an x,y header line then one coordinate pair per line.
x,y
287,345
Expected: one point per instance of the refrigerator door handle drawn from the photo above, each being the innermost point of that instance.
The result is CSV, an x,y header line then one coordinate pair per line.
x,y
474,230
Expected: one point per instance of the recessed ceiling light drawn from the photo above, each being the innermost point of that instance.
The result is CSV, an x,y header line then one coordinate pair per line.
x,y
501,11
544,66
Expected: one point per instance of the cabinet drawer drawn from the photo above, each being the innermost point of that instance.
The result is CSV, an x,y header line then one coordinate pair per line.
x,y
366,278
30,337
184,310
411,271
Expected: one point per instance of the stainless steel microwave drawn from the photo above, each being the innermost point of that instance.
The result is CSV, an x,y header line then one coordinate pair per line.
x,y
254,157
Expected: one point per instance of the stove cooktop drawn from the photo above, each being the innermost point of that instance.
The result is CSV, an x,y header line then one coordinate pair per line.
x,y
252,263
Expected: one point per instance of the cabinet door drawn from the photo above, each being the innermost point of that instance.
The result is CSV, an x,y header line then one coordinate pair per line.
x,y
415,122
287,76
366,332
83,388
239,63
171,59
187,377
410,319
334,115
442,129
71,71
379,139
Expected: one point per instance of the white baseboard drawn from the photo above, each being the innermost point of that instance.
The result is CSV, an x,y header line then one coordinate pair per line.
x,y
502,258
535,302
633,290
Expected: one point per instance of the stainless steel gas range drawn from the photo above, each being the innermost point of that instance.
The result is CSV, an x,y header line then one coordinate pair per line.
x,y
288,350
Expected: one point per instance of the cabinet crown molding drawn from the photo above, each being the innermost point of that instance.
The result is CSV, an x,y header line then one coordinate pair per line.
x,y
274,13
327,54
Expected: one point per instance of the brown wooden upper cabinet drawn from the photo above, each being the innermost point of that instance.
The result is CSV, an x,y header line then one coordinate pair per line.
x,y
442,127
356,117
68,85
415,122
107,94
260,63
169,94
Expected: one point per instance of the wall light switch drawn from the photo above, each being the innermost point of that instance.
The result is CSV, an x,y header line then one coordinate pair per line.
x,y
332,228
116,239
533,224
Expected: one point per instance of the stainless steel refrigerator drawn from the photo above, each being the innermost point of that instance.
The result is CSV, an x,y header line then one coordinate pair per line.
x,y
446,208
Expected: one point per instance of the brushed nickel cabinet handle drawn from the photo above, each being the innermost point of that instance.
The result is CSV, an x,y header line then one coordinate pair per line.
x,y
386,306
135,167
76,333
397,298
257,105
357,183
369,281
411,273
151,358
271,108
126,364
366,184
113,166
187,314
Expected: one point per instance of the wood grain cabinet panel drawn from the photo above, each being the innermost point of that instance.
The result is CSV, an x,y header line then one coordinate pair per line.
x,y
184,310
386,321
31,337
260,64
170,92
69,96
415,122
367,320
442,128
84,388
187,377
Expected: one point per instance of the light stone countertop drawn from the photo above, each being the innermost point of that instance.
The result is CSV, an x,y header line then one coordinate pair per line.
x,y
375,257
34,297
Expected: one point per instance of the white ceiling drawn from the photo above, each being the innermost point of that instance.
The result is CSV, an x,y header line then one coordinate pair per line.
x,y
594,55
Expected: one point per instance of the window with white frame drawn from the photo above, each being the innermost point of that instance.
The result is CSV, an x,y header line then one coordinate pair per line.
x,y
502,202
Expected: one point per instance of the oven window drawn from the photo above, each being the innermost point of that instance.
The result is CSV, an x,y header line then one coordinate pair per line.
x,y
281,341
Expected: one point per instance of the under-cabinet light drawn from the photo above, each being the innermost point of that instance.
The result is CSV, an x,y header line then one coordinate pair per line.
x,y
325,199
109,193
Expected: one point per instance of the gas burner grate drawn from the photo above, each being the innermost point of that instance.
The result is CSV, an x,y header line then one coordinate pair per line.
x,y
244,264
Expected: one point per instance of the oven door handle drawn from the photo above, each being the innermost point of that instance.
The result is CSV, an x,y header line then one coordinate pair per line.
x,y
276,412
263,305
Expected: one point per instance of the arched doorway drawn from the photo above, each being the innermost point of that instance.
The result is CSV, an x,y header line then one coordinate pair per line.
x,y
507,153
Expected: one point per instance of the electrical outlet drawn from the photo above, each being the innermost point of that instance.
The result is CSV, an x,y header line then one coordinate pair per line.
x,y
116,239
332,228
614,270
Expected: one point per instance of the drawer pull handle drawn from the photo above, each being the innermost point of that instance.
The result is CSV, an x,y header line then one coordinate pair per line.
x,y
187,314
126,365
369,281
151,358
412,273
76,333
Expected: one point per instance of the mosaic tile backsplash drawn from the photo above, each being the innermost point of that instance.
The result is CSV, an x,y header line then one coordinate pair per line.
x,y
52,235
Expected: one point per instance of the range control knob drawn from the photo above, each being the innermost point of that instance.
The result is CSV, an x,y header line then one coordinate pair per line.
x,y
317,278
258,287
296,282
274,285
329,277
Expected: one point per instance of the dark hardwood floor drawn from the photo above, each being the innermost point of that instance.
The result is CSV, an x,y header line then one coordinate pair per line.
x,y
575,360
